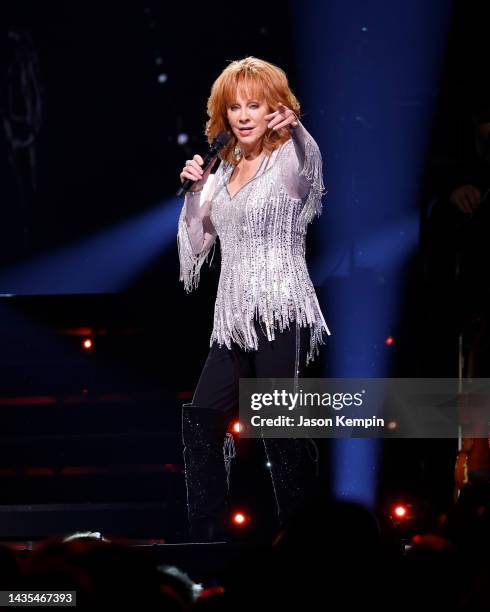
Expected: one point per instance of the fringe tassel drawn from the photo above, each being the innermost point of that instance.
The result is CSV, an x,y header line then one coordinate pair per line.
x,y
229,453
190,264
316,338
313,172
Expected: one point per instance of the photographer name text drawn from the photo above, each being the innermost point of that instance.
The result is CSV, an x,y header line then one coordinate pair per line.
x,y
338,421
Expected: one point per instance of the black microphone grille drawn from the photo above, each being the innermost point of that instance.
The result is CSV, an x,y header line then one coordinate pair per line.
x,y
221,140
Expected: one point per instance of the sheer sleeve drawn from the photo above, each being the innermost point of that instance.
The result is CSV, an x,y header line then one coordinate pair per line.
x,y
196,234
303,171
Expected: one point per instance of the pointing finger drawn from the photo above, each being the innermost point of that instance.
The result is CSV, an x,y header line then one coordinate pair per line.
x,y
270,115
281,125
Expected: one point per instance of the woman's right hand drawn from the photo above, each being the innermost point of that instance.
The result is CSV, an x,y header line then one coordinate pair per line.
x,y
466,198
193,170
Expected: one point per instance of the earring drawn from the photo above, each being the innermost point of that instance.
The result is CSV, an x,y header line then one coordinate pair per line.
x,y
237,152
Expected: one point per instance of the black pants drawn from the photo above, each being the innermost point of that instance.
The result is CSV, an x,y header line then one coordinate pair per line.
x,y
283,357
209,449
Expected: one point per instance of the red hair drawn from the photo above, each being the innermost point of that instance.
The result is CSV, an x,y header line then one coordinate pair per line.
x,y
262,81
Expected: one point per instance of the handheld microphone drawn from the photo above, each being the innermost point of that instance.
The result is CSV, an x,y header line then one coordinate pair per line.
x,y
218,143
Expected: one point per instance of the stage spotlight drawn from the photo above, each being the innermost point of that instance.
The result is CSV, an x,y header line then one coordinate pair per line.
x,y
162,77
268,464
401,513
87,344
240,519
182,139
236,427
389,340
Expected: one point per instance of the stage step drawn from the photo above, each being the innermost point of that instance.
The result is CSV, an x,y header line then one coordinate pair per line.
x,y
164,520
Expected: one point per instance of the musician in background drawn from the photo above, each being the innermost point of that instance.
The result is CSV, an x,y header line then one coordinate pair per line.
x,y
457,244
458,265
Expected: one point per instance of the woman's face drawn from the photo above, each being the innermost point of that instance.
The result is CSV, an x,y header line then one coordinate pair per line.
x,y
246,118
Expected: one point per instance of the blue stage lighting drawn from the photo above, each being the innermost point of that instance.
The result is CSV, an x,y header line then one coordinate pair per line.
x,y
367,73
103,263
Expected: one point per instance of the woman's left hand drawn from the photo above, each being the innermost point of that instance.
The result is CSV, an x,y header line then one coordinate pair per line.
x,y
281,118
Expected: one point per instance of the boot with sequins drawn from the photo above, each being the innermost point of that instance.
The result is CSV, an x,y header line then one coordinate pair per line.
x,y
207,461
293,464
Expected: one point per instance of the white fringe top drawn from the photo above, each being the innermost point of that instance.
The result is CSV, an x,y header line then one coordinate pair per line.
x,y
262,232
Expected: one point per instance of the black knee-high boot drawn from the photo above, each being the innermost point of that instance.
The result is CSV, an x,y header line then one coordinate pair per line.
x,y
207,469
294,472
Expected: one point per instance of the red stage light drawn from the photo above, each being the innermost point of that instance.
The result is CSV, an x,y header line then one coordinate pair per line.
x,y
236,427
389,340
240,519
87,344
400,511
